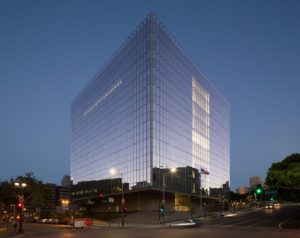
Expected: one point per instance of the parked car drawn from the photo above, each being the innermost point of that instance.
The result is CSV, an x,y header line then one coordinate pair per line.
x,y
44,221
53,221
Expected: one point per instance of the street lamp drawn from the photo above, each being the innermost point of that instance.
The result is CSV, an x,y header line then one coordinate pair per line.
x,y
113,172
20,185
21,204
202,171
173,170
165,170
65,204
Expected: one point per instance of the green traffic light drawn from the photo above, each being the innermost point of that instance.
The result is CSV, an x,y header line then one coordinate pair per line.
x,y
258,191
161,209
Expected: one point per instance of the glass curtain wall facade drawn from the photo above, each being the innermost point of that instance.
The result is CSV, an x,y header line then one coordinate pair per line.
x,y
149,109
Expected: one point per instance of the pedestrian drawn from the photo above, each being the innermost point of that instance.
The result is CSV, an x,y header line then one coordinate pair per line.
x,y
15,226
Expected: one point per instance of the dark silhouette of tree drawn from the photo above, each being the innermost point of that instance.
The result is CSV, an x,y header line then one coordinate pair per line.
x,y
285,176
35,193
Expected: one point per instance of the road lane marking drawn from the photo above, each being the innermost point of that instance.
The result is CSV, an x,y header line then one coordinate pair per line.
x,y
280,224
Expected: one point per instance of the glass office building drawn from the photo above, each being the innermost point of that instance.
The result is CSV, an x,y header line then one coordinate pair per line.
x,y
149,109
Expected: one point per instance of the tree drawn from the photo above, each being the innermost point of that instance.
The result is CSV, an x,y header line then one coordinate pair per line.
x,y
8,194
285,176
35,192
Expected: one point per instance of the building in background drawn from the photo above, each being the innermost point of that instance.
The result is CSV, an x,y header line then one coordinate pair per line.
x,y
147,110
243,190
255,180
57,199
49,206
66,181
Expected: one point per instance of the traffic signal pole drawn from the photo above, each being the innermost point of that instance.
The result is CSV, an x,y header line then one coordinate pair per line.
x,y
20,207
161,212
21,223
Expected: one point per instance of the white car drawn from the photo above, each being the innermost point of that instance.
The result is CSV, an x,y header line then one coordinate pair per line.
x,y
187,223
44,221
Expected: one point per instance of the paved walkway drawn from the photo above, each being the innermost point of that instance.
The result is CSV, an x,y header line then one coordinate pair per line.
x,y
7,231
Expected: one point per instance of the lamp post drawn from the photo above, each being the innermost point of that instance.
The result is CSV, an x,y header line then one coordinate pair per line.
x,y
113,172
65,204
202,171
21,204
14,211
172,170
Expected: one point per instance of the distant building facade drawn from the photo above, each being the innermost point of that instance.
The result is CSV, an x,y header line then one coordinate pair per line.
x,y
148,110
56,198
51,198
66,181
222,192
255,180
243,190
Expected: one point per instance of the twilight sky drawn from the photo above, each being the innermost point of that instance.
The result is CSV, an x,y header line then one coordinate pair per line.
x,y
49,50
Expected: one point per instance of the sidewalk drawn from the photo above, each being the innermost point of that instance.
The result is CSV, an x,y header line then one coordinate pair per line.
x,y
8,232
4,232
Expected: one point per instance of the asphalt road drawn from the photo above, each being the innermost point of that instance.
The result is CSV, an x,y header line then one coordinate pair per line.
x,y
216,232
285,217
260,223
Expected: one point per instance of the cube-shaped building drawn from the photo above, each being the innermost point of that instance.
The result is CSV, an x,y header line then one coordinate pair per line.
x,y
147,110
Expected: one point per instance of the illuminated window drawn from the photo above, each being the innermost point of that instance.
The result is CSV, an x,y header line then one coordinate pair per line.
x,y
105,95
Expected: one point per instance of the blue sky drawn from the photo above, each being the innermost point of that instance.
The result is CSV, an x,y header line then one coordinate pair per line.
x,y
49,50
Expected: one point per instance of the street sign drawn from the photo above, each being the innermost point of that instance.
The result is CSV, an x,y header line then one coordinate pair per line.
x,y
111,200
21,198
123,201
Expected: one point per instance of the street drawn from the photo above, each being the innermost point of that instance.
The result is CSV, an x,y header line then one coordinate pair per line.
x,y
213,232
258,223
285,217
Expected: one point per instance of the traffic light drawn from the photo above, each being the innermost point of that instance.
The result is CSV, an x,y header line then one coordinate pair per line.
x,y
20,205
258,190
162,210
